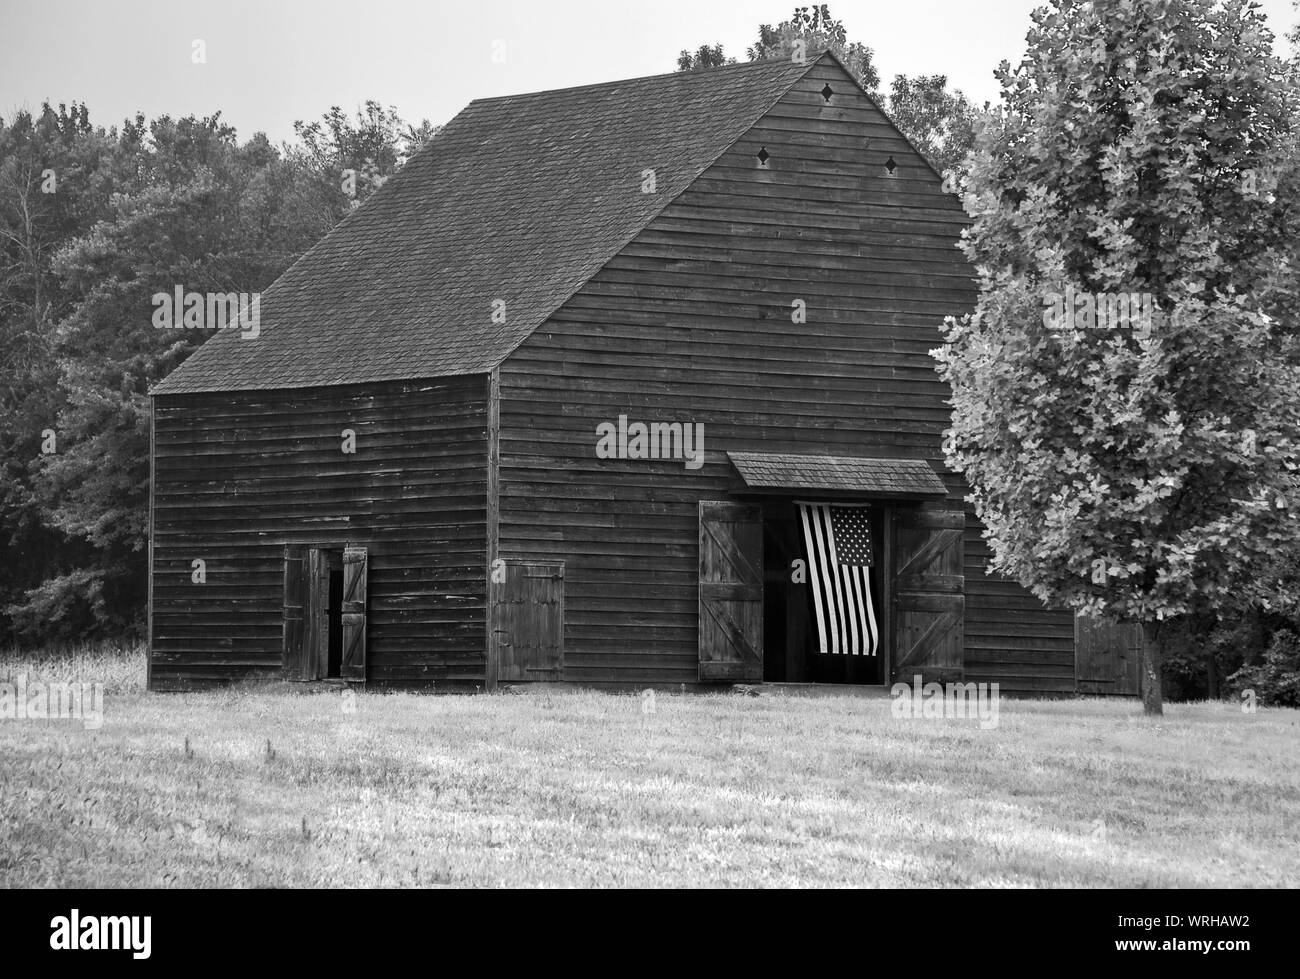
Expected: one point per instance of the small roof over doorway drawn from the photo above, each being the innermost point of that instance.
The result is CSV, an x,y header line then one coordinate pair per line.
x,y
770,472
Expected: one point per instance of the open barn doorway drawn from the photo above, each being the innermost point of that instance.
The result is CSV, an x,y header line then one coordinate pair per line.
x,y
333,596
824,621
324,631
874,595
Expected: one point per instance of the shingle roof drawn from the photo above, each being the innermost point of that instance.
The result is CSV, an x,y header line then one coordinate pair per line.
x,y
783,471
521,198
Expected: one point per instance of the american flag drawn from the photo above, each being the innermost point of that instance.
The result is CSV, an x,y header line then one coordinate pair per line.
x,y
838,539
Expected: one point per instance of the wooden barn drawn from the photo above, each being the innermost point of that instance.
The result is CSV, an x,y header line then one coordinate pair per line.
x,y
621,384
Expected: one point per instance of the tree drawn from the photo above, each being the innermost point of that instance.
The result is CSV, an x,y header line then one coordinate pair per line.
x,y
132,213
202,213
704,57
811,30
57,175
415,138
352,159
939,123
1137,152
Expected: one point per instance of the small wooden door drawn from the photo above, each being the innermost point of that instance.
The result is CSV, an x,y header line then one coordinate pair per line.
x,y
731,592
355,573
294,649
1107,657
929,594
317,631
528,621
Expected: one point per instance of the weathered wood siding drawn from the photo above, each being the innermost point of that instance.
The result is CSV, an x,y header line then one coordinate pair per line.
x,y
237,476
691,322
1108,657
1010,638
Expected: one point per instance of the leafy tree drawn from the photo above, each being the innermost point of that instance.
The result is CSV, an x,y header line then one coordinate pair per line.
x,y
704,57
939,123
1137,152
57,175
355,157
814,30
207,215
414,138
137,212
1275,680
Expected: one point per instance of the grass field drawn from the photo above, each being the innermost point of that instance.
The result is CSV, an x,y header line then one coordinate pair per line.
x,y
281,787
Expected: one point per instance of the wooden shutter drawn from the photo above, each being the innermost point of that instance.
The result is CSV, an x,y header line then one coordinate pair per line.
x,y
355,563
929,594
316,634
293,663
731,592
528,621
1107,656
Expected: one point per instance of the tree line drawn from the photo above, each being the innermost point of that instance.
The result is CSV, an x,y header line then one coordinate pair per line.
x,y
93,222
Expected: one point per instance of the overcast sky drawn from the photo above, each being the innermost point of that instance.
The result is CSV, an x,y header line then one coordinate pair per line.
x,y
271,62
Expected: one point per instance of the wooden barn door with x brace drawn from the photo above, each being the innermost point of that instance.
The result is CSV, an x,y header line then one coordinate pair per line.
x,y
318,619
929,594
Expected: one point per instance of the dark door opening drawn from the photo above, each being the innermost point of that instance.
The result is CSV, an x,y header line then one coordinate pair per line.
x,y
325,639
324,633
334,664
325,612
791,639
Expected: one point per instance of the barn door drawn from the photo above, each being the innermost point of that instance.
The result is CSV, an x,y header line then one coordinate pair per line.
x,y
929,594
528,621
1107,656
355,567
294,649
316,634
731,592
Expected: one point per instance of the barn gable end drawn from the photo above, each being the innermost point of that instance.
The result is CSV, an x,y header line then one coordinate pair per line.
x,y
820,203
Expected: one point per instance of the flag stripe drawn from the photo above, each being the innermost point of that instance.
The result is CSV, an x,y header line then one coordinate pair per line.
x,y
814,576
841,605
871,611
860,643
825,564
839,573
865,582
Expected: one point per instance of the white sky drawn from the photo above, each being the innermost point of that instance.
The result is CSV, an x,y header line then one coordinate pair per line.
x,y
274,61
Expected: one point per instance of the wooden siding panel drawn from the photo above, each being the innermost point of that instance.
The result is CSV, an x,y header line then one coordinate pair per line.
x,y
241,477
1108,656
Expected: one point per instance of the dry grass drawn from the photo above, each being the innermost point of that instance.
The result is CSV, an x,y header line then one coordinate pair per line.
x,y
584,789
